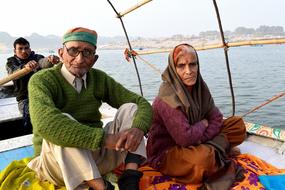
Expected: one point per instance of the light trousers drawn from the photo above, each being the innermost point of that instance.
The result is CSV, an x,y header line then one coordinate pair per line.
x,y
71,166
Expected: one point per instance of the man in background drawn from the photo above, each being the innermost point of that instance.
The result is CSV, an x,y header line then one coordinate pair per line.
x,y
24,57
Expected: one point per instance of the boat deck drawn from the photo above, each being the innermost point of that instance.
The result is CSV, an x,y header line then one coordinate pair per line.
x,y
15,149
9,110
272,155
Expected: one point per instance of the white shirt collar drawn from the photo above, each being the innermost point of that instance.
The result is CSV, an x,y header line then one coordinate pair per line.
x,y
70,77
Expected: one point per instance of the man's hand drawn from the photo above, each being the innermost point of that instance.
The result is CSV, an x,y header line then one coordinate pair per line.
x,y
32,65
53,59
127,140
110,140
131,139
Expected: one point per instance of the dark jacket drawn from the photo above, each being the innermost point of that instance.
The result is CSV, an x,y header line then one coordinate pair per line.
x,y
21,85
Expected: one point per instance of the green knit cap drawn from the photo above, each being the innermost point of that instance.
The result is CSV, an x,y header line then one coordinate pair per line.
x,y
81,34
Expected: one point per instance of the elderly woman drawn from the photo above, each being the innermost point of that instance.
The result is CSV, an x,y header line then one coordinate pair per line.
x,y
189,140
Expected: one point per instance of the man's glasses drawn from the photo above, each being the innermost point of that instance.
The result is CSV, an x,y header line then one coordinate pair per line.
x,y
74,52
23,48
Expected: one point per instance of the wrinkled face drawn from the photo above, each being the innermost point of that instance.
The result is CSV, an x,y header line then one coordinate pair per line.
x,y
78,57
22,51
187,67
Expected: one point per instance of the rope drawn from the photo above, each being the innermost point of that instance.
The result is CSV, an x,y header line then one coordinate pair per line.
x,y
149,64
264,103
128,54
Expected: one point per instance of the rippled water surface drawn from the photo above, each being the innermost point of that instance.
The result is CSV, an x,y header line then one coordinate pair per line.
x,y
258,73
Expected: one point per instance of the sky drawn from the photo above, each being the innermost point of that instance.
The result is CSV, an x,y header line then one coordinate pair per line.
x,y
158,18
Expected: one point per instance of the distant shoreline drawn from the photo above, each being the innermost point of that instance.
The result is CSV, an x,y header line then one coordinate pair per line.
x,y
51,43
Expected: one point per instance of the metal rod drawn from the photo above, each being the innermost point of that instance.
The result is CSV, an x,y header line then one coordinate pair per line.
x,y
130,47
226,56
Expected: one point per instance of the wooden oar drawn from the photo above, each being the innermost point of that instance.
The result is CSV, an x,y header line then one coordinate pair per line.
x,y
15,75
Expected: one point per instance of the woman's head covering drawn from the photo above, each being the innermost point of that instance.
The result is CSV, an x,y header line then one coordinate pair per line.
x,y
81,34
198,102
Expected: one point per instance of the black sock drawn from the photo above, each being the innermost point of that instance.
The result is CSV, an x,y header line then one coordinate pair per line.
x,y
134,158
130,180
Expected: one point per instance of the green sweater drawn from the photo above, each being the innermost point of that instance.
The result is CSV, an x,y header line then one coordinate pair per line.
x,y
50,95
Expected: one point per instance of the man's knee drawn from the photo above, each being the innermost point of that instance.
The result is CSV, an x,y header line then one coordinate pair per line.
x,y
125,115
128,108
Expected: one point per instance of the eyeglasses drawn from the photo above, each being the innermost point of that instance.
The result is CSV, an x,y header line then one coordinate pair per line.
x,y
23,48
74,52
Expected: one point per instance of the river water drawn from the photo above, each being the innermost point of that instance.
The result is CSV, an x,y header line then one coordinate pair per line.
x,y
258,73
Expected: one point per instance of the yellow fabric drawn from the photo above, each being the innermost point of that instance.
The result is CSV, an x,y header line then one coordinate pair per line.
x,y
18,176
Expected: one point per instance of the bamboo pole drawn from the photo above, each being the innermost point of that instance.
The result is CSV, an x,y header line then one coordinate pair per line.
x,y
257,42
123,13
220,45
15,75
265,103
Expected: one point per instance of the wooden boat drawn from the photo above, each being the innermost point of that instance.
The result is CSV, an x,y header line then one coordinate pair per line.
x,y
264,142
11,121
7,90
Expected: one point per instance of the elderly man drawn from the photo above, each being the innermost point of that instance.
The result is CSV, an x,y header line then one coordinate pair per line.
x,y
71,146
24,57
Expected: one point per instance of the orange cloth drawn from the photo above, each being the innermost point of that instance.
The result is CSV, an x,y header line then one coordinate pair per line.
x,y
190,165
154,180
253,168
234,129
